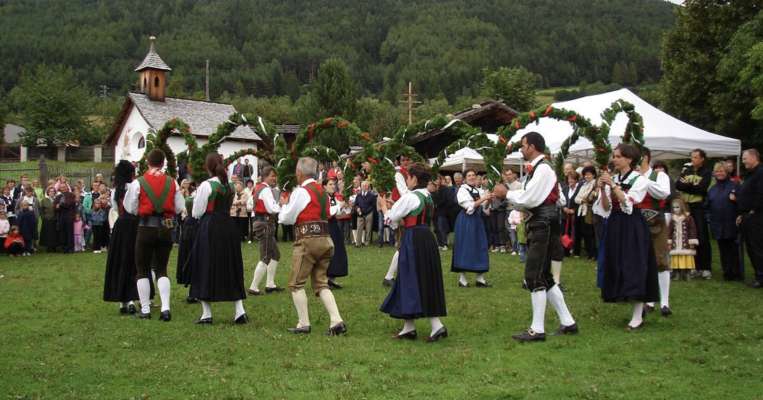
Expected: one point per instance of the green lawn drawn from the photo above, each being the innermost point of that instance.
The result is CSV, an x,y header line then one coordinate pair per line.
x,y
58,340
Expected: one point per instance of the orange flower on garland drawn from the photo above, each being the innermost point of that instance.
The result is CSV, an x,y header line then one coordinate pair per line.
x,y
366,136
342,124
572,118
533,116
517,125
327,122
502,139
548,111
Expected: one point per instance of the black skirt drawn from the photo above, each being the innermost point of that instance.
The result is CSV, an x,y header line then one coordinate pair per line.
x,y
630,266
418,290
119,283
187,236
338,265
48,234
217,268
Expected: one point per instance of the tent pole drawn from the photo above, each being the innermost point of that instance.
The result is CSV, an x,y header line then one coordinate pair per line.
x,y
739,174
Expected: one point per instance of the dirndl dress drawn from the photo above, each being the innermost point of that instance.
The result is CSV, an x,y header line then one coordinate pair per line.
x,y
470,246
119,282
187,237
338,265
216,265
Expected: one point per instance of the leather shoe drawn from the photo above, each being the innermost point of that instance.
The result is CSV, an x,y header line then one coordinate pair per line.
x,y
756,285
529,336
141,315
568,330
410,335
204,321
300,330
131,309
388,282
241,320
273,289
666,311
123,310
334,285
165,316
253,292
441,333
338,329
191,300
648,309
463,285
629,328
483,284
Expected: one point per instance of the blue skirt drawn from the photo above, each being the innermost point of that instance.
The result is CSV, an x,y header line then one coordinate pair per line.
x,y
418,290
215,262
470,249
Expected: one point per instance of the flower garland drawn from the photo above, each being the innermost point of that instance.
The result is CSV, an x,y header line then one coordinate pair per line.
x,y
197,158
158,140
380,158
634,130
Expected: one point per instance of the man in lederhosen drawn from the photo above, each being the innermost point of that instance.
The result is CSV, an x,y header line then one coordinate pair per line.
x,y
538,198
155,198
308,210
401,188
265,208
653,208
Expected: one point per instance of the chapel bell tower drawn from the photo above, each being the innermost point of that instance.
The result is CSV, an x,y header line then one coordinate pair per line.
x,y
153,74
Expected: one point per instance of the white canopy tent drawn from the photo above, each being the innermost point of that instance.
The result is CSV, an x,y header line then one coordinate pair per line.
x,y
667,137
468,158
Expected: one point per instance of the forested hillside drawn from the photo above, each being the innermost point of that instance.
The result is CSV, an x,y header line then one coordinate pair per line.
x,y
273,47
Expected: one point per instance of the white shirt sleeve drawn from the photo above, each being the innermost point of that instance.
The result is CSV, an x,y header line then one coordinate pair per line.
x,y
537,190
131,197
465,200
113,200
660,189
200,200
597,208
334,210
400,184
562,200
635,194
266,195
298,200
250,203
179,200
402,208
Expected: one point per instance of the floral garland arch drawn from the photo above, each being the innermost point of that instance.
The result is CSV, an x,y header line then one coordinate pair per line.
x,y
158,140
379,157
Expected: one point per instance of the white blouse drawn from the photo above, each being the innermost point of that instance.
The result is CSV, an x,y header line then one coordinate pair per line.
x,y
403,206
465,199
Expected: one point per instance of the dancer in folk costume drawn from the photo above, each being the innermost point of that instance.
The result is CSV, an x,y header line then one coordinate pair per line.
x,y
217,268
470,245
187,236
630,266
401,188
338,265
538,200
265,207
654,207
155,198
418,290
683,239
119,282
308,210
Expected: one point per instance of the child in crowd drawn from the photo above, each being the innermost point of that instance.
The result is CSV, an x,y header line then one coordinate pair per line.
x,y
79,234
517,224
682,240
100,226
14,242
5,227
27,226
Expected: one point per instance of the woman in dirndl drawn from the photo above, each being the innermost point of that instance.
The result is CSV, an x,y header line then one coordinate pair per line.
x,y
418,290
216,265
629,265
338,265
187,236
470,247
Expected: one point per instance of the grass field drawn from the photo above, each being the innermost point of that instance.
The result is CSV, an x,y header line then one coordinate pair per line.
x,y
58,340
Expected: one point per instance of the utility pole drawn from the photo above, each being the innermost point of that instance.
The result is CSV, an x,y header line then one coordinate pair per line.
x,y
408,97
206,82
104,91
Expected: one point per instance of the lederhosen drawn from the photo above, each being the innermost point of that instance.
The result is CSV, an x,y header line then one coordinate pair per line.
x,y
154,238
313,247
543,239
654,212
263,228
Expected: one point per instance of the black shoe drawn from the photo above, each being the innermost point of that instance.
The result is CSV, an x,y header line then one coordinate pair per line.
x,y
131,309
666,311
388,282
756,285
410,335
334,285
254,292
203,321
483,284
441,333
338,329
273,289
463,285
165,316
301,330
241,320
191,300
529,336
648,309
141,315
568,330
123,310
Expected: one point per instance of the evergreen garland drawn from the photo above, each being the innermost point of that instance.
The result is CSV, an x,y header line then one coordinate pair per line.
x,y
158,140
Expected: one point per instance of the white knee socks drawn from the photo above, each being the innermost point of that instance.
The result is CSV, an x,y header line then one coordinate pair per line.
x,y
392,271
664,279
239,307
300,304
462,279
538,298
144,294
407,327
328,301
638,311
436,325
271,269
163,284
259,272
556,271
481,278
556,298
206,310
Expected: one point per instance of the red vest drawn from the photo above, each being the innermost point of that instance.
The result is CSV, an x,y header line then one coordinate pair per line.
x,y
395,192
156,182
650,203
553,196
312,212
259,207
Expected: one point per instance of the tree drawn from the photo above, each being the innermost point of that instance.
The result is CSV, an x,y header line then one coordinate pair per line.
x,y
515,86
334,91
52,106
378,117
